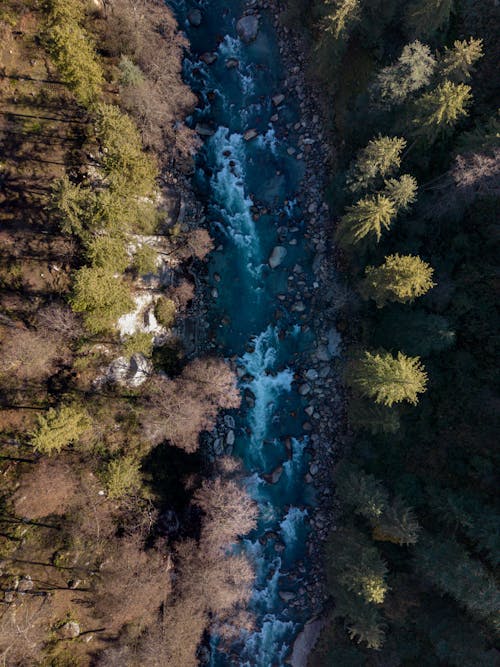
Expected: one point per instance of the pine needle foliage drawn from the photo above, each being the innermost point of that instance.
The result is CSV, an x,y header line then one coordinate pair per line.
x,y
59,428
438,111
381,157
459,62
366,219
400,278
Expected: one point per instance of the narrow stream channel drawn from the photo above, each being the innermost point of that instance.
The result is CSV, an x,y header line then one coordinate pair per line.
x,y
250,188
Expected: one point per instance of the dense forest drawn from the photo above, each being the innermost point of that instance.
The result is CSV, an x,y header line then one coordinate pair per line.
x,y
411,89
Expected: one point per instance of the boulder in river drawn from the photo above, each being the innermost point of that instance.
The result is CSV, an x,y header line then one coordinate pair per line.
x,y
277,256
278,99
204,130
248,28
305,642
208,58
274,477
250,134
195,17
232,63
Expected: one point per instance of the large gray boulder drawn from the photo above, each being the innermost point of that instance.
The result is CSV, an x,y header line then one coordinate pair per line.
x,y
277,256
248,28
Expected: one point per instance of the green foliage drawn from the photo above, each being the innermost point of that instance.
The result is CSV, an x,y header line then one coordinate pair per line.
x,y
414,331
130,170
380,158
459,62
130,73
387,379
425,17
400,278
101,296
438,111
371,417
123,477
402,191
364,621
165,311
138,343
341,16
145,259
483,137
412,71
60,427
67,204
108,252
396,524
445,563
367,218
362,492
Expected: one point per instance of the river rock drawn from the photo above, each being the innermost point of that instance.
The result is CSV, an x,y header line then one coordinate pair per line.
x,y
304,389
230,438
248,28
229,421
274,477
250,134
195,17
208,58
305,642
278,99
277,256
232,63
312,374
286,596
204,130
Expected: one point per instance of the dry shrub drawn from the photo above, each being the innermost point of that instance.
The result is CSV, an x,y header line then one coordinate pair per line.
x,y
196,243
178,410
134,582
24,629
182,294
29,355
50,487
58,319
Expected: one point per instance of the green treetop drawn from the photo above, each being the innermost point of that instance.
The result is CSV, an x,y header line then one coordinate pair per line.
x,y
425,17
458,62
411,72
59,427
366,218
363,492
439,110
402,191
108,252
380,157
400,278
396,524
101,296
387,379
342,14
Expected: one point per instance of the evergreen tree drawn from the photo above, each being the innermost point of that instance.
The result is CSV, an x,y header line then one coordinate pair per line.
x,y
397,524
439,110
387,379
123,477
342,14
425,17
412,71
363,620
108,252
381,157
101,297
362,492
449,567
68,205
402,191
372,417
400,278
415,332
367,218
459,62
59,427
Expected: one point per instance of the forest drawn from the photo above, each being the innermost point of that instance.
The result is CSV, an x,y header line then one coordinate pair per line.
x,y
411,89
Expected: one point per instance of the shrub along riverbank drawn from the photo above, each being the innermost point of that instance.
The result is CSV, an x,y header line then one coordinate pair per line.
x,y
408,90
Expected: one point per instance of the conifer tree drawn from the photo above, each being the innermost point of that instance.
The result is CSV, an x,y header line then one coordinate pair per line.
x,y
362,492
400,278
411,72
439,110
342,14
387,379
365,219
108,252
425,17
402,191
380,157
397,524
68,205
59,427
459,62
363,620
416,332
371,417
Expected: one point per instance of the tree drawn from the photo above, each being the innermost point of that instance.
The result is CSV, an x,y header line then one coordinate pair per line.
x,y
416,332
381,157
29,355
387,379
402,191
342,14
145,260
165,311
60,427
459,62
123,476
229,512
367,218
412,71
108,252
425,17
67,205
400,278
101,296
372,417
362,492
364,621
397,524
439,110
139,343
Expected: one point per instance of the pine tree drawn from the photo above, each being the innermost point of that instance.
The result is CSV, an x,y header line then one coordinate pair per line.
x,y
59,427
362,492
416,332
108,252
412,71
380,157
400,278
367,218
363,620
67,205
402,191
439,110
425,17
459,62
101,297
387,379
342,14
123,476
371,417
397,524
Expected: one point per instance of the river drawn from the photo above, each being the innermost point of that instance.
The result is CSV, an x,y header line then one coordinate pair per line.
x,y
250,189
